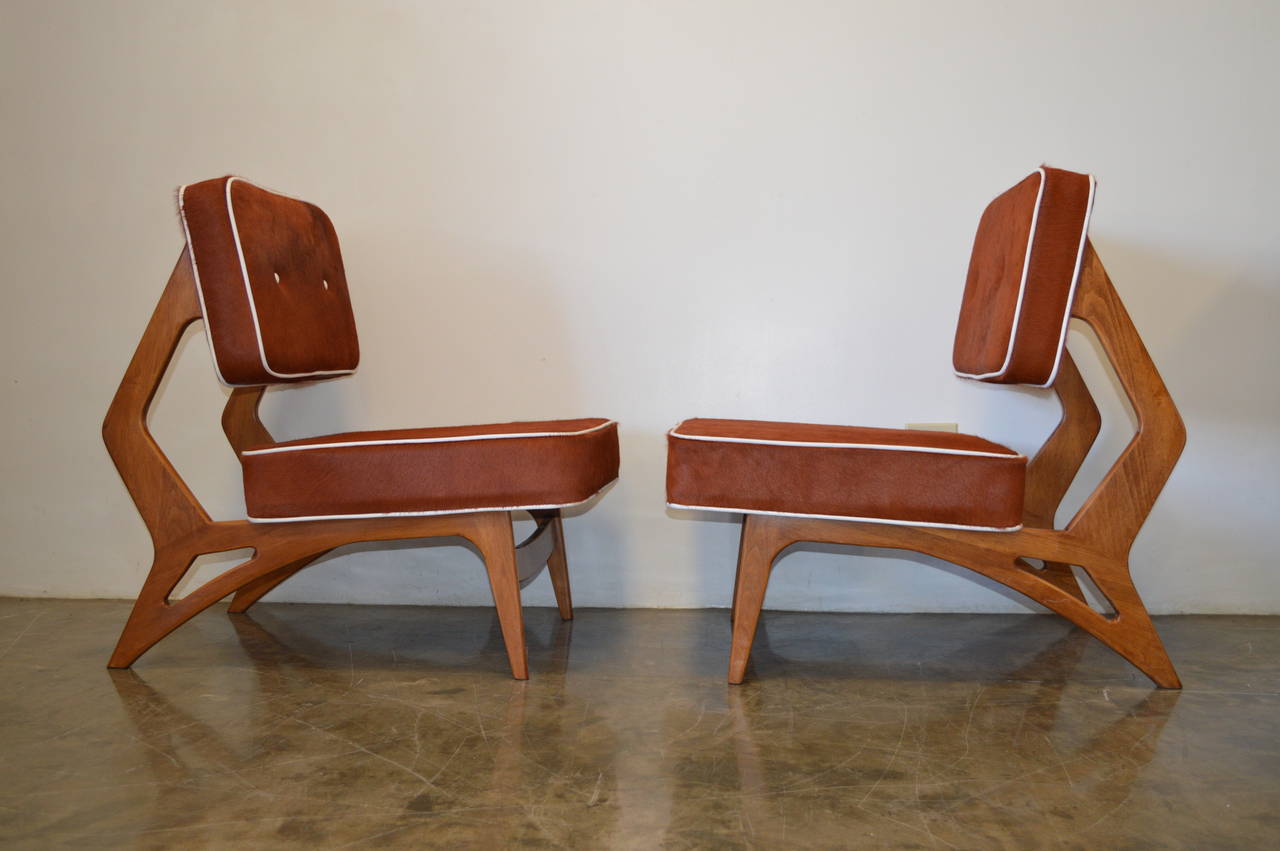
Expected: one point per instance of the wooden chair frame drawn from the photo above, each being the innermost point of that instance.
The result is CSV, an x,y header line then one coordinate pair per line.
x,y
1097,539
181,530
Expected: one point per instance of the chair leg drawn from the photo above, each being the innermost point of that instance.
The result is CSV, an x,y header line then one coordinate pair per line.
x,y
154,615
1130,632
497,546
147,621
760,546
558,567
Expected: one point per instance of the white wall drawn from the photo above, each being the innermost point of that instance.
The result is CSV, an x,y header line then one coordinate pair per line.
x,y
644,210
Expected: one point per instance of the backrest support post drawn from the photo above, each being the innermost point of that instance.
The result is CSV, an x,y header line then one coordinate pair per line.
x,y
240,421
162,497
1053,469
1114,513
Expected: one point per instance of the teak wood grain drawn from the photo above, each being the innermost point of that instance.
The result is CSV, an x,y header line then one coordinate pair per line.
x,y
181,530
1097,539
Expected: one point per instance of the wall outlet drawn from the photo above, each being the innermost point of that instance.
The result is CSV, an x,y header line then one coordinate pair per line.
x,y
934,426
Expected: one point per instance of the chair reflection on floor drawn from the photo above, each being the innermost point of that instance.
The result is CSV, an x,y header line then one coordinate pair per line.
x,y
1101,771
199,767
270,637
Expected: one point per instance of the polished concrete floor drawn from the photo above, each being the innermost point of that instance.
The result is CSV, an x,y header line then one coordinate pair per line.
x,y
328,726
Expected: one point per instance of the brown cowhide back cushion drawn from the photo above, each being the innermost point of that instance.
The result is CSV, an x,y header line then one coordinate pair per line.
x,y
1022,279
271,284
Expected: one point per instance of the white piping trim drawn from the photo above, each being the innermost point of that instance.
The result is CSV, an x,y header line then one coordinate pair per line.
x,y
1075,280
844,517
253,308
1022,287
430,513
195,272
407,440
1011,455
